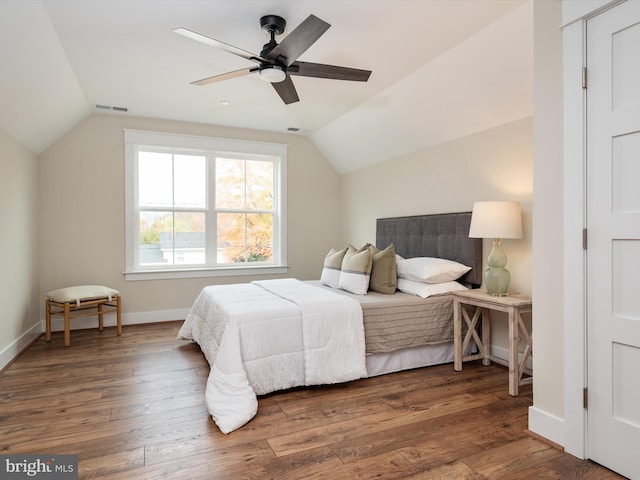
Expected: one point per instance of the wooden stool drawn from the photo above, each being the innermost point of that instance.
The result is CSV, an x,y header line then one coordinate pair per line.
x,y
73,302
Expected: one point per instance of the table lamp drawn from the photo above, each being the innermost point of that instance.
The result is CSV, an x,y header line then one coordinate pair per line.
x,y
496,220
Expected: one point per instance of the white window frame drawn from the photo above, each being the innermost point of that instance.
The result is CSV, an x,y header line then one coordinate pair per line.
x,y
208,146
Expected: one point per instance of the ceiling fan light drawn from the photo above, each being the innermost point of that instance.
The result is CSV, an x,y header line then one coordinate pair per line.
x,y
272,74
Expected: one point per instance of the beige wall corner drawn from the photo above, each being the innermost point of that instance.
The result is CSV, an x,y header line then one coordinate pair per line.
x,y
18,243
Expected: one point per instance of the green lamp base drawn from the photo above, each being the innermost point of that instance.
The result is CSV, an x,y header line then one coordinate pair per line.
x,y
497,280
496,277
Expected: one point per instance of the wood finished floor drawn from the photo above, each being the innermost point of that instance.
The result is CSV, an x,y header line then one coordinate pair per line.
x,y
132,407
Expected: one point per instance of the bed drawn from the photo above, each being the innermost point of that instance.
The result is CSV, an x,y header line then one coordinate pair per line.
x,y
293,333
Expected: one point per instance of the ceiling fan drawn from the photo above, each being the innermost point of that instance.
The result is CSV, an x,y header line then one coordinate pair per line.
x,y
277,62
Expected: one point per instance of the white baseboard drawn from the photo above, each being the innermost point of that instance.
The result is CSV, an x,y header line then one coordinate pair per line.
x,y
10,352
135,318
547,425
503,354
540,422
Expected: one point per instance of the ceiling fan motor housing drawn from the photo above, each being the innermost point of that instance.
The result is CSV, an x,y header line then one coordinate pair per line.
x,y
273,23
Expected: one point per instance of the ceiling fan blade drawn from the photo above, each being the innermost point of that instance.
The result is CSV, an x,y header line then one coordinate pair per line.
x,y
218,44
224,76
299,40
287,90
319,70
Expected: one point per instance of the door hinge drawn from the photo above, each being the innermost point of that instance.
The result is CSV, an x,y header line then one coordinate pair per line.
x,y
585,398
584,238
584,77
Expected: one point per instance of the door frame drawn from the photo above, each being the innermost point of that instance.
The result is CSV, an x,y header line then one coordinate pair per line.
x,y
575,196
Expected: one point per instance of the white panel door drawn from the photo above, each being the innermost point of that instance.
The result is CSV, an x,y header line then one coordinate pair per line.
x,y
613,253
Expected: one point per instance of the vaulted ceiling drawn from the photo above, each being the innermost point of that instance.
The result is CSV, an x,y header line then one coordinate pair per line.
x,y
442,69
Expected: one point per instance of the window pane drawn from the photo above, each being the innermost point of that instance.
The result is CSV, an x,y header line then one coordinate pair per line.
x,y
230,183
232,237
245,237
189,240
190,181
172,239
259,238
155,178
154,227
259,185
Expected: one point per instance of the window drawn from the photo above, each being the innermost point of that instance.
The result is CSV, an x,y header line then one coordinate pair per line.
x,y
199,206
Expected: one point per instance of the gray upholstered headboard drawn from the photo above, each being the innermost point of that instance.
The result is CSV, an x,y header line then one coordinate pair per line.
x,y
442,236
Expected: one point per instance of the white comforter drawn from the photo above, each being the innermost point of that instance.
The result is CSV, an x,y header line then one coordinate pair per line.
x,y
271,335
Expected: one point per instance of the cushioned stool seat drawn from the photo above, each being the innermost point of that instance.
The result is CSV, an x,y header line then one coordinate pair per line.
x,y
82,301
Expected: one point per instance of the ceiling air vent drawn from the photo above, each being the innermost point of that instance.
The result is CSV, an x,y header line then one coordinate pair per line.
x,y
112,108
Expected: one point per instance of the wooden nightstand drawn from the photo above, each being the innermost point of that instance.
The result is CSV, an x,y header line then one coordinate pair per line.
x,y
514,305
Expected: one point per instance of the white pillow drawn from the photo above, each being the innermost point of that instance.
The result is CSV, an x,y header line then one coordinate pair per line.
x,y
81,293
425,290
355,271
331,269
430,270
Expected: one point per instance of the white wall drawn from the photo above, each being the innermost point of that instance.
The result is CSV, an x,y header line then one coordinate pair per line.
x,y
82,213
545,417
496,164
18,244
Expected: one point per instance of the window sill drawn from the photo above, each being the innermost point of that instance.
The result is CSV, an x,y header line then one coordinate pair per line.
x,y
204,272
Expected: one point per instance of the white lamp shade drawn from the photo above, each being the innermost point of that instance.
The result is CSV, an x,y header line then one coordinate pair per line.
x,y
496,220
